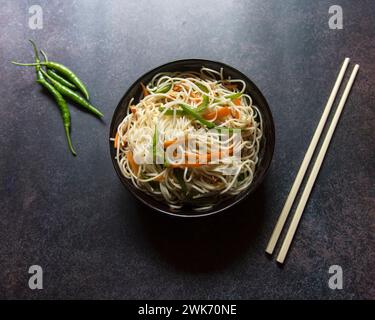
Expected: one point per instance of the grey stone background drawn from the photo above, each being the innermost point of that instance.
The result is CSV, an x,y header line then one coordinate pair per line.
x,y
94,240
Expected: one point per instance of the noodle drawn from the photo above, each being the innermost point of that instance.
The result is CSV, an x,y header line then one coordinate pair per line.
x,y
160,129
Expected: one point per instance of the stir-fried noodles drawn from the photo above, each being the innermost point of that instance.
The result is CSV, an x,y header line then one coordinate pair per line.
x,y
193,138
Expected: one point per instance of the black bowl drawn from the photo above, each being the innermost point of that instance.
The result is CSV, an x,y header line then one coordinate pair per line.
x,y
267,144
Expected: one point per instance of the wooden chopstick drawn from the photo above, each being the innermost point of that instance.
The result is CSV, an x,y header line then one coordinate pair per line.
x,y
306,161
314,173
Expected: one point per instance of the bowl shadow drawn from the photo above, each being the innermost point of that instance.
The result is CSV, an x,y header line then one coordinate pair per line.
x,y
206,244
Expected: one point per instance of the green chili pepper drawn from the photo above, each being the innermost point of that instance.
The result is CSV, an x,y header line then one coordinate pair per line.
x,y
55,76
37,60
57,96
170,112
234,95
154,143
203,105
60,79
202,87
39,75
72,95
197,116
164,89
166,163
65,114
184,112
64,71
226,128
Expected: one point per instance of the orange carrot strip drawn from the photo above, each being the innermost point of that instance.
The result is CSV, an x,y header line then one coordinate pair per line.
x,y
219,154
134,111
237,101
193,95
169,142
160,178
209,115
144,89
221,113
203,161
205,158
133,165
115,143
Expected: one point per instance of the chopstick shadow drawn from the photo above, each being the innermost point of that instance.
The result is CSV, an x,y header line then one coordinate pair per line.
x,y
205,244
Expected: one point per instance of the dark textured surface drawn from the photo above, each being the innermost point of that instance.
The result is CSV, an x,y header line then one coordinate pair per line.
x,y
93,240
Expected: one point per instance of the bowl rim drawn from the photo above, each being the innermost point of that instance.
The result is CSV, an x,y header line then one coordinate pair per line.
x,y
241,196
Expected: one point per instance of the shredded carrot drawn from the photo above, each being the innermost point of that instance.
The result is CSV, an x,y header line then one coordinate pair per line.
x,y
115,144
169,142
210,115
193,95
221,113
237,101
219,154
144,89
160,178
177,87
201,159
134,111
133,165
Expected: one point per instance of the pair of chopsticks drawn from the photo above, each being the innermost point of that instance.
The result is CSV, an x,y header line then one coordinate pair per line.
x,y
305,163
